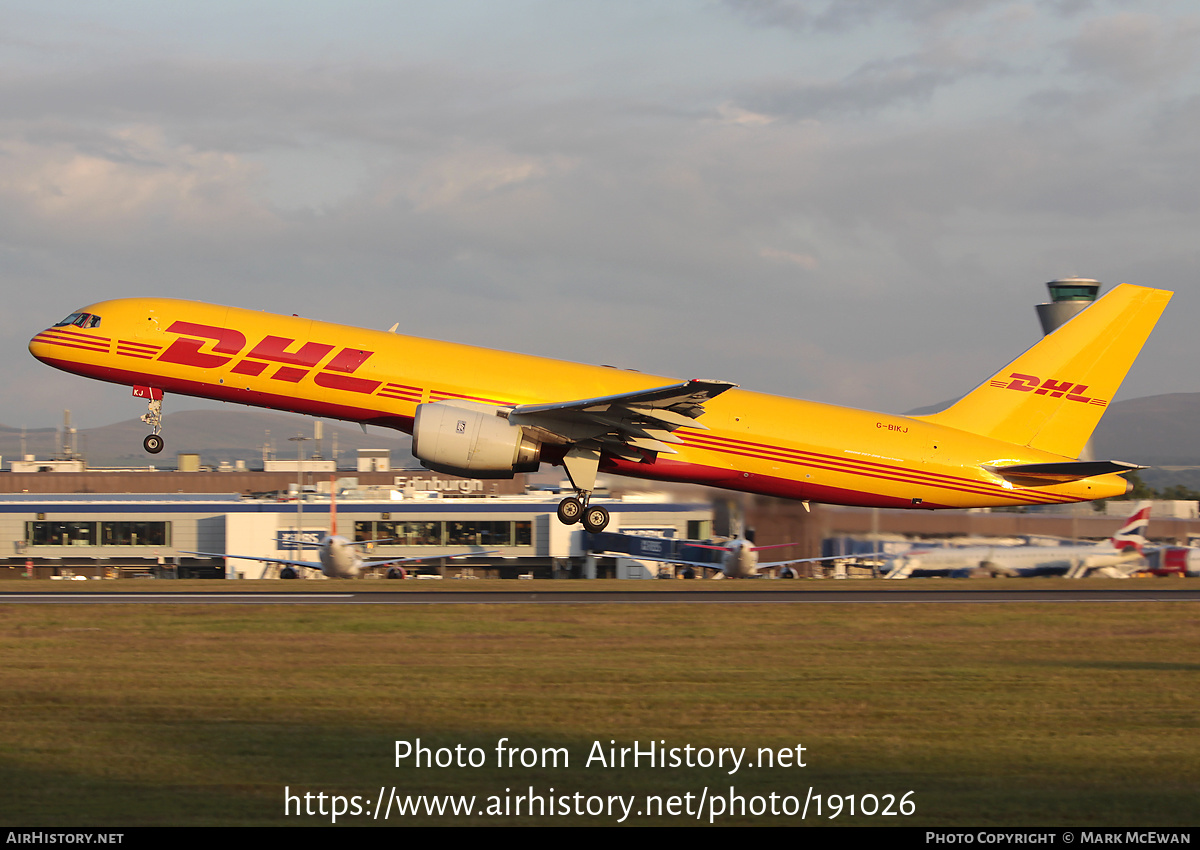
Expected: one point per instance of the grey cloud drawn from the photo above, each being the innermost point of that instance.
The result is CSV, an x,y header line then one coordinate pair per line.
x,y
843,15
243,106
1134,49
865,92
801,256
899,81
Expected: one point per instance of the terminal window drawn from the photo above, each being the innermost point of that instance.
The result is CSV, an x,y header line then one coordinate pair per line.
x,y
116,533
475,533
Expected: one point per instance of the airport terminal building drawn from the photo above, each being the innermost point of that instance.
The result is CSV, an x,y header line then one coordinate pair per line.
x,y
105,523
413,514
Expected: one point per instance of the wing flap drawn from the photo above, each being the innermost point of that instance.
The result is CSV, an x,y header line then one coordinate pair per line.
x,y
623,424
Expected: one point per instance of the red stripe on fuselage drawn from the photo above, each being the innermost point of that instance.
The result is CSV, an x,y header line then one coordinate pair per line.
x,y
227,392
53,341
867,469
439,395
78,336
767,485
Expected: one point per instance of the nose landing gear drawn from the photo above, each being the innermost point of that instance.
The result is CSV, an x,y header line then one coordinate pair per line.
x,y
153,417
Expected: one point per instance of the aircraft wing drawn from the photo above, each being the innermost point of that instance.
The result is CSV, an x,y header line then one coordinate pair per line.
x,y
719,568
682,561
382,562
858,557
316,565
620,423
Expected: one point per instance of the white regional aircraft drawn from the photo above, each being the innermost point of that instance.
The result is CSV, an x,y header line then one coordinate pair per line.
x,y
338,557
739,558
1118,559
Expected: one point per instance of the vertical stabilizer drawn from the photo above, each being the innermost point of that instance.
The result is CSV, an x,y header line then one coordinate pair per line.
x,y
1053,395
1132,534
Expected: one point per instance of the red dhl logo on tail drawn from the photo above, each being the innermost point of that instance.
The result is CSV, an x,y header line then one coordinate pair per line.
x,y
1050,386
293,362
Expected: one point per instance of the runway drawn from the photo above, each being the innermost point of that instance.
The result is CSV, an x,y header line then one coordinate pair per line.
x,y
613,597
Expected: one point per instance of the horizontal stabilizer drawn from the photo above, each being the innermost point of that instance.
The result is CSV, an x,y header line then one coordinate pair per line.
x,y
1043,474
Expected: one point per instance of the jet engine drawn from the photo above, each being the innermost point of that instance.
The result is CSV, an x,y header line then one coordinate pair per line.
x,y
472,439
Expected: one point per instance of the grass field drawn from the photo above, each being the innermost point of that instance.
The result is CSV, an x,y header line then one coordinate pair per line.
x,y
1009,714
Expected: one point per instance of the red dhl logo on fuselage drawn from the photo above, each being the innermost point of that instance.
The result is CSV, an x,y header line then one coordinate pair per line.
x,y
293,363
1050,386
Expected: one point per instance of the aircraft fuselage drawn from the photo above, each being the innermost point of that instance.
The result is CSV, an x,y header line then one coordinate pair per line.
x,y
752,442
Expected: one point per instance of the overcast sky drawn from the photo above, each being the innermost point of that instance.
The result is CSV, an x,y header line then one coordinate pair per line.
x,y
854,201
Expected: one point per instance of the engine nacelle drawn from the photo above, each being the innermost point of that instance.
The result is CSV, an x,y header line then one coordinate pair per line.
x,y
472,439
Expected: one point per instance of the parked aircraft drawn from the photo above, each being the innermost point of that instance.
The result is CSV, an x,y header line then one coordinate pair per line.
x,y
338,557
738,558
1118,559
481,413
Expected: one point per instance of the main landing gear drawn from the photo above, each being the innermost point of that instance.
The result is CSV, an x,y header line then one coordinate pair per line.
x,y
575,509
153,417
581,465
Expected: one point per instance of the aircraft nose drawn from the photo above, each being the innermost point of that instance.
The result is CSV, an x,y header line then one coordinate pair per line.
x,y
39,346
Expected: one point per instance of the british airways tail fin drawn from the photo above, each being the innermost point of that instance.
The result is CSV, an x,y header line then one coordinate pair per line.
x,y
1130,535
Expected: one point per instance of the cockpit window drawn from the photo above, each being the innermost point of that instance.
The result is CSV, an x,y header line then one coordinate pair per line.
x,y
81,320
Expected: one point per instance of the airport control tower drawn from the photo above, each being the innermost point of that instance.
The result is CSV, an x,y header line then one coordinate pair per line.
x,y
1068,297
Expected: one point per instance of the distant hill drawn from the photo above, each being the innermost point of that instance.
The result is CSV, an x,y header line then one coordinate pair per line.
x,y
1160,430
1156,431
216,435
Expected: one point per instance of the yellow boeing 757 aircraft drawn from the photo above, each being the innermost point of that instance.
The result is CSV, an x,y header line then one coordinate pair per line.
x,y
481,413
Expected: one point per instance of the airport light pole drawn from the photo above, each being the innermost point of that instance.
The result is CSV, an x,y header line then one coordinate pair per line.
x,y
299,440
